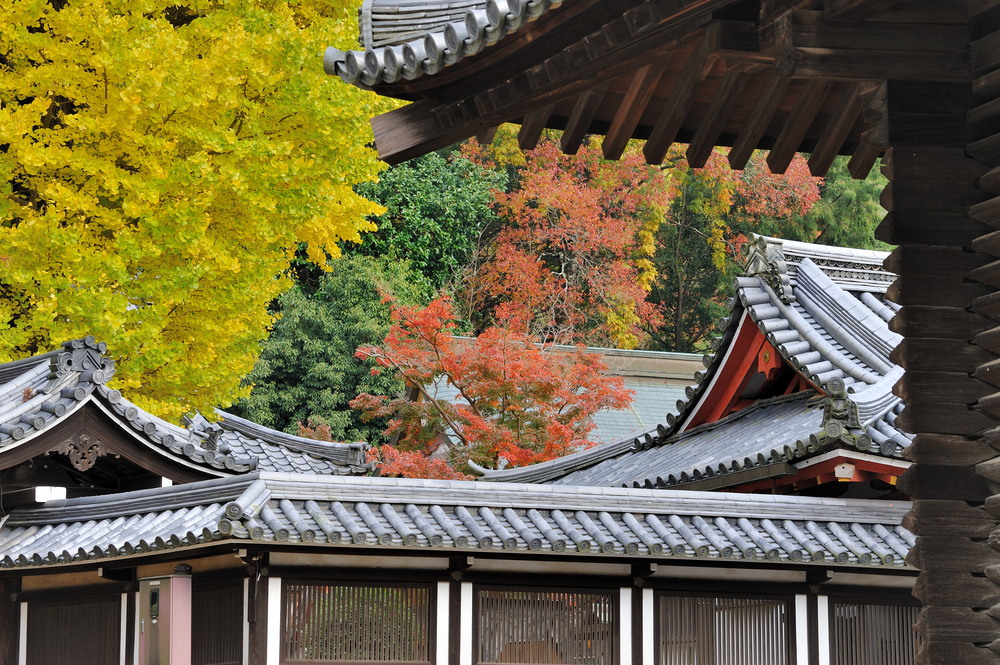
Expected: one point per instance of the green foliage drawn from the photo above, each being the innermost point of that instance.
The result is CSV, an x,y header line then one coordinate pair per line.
x,y
711,215
849,210
159,165
437,208
307,369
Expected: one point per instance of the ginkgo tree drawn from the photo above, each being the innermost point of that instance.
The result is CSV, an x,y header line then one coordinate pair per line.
x,y
159,164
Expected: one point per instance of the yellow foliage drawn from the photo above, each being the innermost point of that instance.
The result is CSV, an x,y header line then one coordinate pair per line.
x,y
622,320
162,164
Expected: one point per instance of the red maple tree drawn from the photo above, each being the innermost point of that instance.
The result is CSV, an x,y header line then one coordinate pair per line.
x,y
497,396
572,257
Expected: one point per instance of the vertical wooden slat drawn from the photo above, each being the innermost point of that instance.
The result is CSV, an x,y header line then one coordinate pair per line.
x,y
722,631
357,623
533,626
217,624
80,631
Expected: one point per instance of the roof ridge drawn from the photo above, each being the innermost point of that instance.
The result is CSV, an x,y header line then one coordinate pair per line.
x,y
136,502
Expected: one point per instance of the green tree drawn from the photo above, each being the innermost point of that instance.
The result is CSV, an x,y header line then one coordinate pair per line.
x,y
708,220
307,369
849,210
159,166
437,210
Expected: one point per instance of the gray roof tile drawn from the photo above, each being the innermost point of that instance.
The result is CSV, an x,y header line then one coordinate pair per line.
x,y
820,307
400,514
43,391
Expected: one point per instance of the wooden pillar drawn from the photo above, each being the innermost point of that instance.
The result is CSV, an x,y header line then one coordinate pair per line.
x,y
10,619
257,614
951,328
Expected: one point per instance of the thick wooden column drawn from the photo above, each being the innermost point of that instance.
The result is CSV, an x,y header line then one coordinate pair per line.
x,y
940,190
984,122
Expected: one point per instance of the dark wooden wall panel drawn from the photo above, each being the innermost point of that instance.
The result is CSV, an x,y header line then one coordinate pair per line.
x,y
82,631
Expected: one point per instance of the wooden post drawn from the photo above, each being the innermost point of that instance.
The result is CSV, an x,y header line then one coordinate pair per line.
x,y
934,167
10,619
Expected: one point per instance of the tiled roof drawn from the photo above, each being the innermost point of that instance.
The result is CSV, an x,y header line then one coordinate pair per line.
x,y
450,516
653,399
406,40
821,309
766,433
43,391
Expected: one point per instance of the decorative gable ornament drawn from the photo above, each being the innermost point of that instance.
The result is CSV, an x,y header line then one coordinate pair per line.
x,y
85,356
81,451
765,259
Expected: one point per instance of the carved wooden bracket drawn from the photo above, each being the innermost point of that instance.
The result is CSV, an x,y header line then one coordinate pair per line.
x,y
82,451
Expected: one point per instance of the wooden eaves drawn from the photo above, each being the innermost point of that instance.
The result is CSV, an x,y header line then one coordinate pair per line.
x,y
787,76
921,80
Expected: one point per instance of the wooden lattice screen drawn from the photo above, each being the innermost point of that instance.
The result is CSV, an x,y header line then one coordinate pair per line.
x,y
873,634
704,630
546,627
348,623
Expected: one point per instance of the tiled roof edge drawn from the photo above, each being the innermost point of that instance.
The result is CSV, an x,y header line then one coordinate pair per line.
x,y
437,48
553,469
154,499
350,453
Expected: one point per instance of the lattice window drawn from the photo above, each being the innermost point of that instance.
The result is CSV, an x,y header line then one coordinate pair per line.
x,y
711,630
340,623
546,627
872,634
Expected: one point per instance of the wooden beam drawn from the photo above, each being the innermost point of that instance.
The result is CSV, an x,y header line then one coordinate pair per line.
x,y
869,65
861,162
710,127
485,137
832,138
579,121
416,129
799,121
756,124
633,105
533,126
813,29
668,123
855,10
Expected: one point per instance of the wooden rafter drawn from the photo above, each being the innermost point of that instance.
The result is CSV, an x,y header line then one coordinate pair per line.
x,y
644,83
707,134
845,114
758,121
579,121
668,123
799,120
655,52
532,126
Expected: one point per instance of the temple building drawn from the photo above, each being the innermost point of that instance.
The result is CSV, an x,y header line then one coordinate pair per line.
x,y
915,82
757,523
